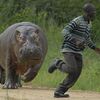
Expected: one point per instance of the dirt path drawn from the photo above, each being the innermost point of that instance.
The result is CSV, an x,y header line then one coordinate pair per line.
x,y
44,94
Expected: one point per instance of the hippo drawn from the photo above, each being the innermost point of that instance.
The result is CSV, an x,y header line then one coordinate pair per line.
x,y
23,47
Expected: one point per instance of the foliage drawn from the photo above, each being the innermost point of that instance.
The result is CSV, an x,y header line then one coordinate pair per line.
x,y
60,11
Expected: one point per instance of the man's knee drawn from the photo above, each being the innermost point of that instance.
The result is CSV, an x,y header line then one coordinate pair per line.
x,y
70,69
75,75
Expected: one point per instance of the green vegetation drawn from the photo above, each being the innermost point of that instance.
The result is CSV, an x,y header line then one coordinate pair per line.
x,y
52,16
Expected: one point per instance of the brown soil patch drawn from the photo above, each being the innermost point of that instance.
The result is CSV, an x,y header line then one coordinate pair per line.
x,y
27,93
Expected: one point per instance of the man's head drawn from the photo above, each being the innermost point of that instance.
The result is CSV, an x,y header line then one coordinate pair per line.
x,y
90,11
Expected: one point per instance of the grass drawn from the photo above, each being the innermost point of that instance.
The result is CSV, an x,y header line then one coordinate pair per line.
x,y
90,76
54,38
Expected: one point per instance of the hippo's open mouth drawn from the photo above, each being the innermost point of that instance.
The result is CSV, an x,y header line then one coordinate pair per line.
x,y
31,61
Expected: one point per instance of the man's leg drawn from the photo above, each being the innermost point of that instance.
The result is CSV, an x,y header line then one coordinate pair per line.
x,y
54,65
73,67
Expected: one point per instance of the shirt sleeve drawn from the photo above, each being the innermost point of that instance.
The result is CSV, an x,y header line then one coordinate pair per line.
x,y
68,28
90,43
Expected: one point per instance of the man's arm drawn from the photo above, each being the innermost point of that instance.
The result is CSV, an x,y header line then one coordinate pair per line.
x,y
92,45
67,30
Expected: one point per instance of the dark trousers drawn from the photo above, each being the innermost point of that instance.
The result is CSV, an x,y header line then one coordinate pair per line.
x,y
72,66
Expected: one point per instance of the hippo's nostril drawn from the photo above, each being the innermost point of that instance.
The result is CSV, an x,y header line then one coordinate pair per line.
x,y
31,51
38,53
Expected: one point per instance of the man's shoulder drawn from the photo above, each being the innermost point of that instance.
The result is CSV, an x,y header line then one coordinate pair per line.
x,y
78,19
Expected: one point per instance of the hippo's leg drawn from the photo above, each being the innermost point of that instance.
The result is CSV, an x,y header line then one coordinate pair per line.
x,y
10,74
18,80
13,81
2,75
10,80
31,73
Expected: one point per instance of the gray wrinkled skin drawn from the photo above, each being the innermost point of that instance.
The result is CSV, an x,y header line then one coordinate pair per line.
x,y
15,58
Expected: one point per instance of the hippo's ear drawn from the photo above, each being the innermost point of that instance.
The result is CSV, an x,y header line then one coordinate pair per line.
x,y
17,35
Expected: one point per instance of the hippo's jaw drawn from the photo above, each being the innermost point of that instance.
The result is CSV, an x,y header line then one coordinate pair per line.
x,y
30,74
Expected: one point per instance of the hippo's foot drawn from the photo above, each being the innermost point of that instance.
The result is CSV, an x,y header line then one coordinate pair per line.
x,y
2,76
2,80
19,84
10,85
18,80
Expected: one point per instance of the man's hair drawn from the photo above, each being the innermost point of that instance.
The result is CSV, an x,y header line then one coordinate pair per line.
x,y
88,7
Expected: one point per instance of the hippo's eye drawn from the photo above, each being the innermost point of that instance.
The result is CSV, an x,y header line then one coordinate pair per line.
x,y
21,38
35,37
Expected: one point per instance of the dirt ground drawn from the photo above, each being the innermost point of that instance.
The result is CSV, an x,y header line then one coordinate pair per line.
x,y
28,93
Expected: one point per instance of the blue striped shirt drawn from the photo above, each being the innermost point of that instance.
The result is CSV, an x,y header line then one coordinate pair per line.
x,y
77,35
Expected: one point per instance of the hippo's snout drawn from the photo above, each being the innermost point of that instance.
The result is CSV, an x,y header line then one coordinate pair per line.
x,y
31,53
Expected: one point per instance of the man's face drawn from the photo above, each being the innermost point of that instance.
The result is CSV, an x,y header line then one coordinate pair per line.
x,y
90,11
91,15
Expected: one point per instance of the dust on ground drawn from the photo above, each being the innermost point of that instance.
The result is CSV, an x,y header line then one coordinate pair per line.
x,y
28,93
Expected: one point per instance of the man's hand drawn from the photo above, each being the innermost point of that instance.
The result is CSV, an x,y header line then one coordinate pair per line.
x,y
97,50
